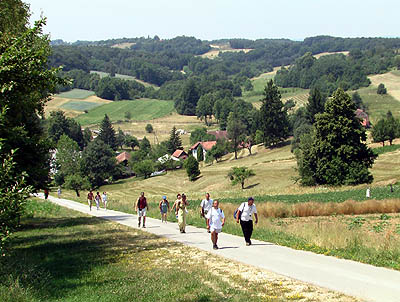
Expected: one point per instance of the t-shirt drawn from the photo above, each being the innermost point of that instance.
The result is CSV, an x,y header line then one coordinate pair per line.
x,y
206,204
104,197
142,202
215,216
247,211
90,196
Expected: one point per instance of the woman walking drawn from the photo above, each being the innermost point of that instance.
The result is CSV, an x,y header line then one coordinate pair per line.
x,y
97,199
181,205
164,208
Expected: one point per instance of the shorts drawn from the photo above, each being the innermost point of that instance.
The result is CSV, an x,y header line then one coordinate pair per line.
x,y
142,213
212,229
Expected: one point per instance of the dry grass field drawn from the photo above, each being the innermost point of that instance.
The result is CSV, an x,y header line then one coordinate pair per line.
x,y
391,80
217,49
317,56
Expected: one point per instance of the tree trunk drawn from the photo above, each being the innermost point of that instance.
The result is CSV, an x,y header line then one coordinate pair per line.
x,y
77,193
242,185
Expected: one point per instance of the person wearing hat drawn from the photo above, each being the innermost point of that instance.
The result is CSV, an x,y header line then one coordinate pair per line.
x,y
245,216
164,208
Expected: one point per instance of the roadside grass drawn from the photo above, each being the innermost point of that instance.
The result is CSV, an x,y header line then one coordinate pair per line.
x,y
141,110
62,255
76,94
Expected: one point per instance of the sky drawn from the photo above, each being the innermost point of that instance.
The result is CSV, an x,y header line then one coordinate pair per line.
x,y
73,20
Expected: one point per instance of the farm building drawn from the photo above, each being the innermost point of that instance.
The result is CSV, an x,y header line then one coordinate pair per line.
x,y
204,146
363,116
179,154
123,157
219,134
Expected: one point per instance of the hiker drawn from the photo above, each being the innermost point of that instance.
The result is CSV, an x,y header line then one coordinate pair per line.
x,y
90,198
215,221
141,207
104,198
164,208
46,193
59,192
206,205
245,212
180,211
97,198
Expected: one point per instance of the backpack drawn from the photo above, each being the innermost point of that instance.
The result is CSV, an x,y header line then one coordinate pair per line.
x,y
237,210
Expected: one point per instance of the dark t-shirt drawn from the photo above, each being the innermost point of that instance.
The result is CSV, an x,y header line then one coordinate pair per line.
x,y
142,202
90,196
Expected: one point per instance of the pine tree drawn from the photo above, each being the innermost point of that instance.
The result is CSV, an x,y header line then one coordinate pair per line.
x,y
174,141
192,168
316,104
273,121
107,133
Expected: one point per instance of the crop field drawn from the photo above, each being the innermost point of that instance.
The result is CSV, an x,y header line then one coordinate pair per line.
x,y
76,94
72,106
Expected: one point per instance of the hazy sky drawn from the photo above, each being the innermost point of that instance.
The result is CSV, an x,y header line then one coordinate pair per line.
x,y
73,20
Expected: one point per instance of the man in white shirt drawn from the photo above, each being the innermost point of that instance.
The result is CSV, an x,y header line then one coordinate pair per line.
x,y
245,212
205,206
215,221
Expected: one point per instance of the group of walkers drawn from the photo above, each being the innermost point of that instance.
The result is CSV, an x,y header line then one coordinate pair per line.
x,y
209,209
98,199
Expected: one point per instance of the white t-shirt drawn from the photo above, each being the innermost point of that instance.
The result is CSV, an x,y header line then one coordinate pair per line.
x,y
247,211
104,197
215,216
206,204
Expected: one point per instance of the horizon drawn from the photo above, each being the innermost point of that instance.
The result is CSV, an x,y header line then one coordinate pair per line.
x,y
216,20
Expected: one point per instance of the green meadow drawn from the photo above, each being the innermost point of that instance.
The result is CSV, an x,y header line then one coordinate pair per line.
x,y
140,109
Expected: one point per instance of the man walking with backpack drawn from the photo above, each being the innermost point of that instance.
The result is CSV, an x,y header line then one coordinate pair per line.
x,y
245,216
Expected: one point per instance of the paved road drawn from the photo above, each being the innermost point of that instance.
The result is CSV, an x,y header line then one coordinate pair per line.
x,y
352,278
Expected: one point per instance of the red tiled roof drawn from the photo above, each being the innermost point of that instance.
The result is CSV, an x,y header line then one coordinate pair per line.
x,y
123,156
178,153
206,145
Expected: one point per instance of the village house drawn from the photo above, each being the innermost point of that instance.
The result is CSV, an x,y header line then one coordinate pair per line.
x,y
179,154
123,157
202,146
363,116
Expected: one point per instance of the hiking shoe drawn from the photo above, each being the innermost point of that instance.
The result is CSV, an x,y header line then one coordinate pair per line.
x,y
215,247
144,226
248,243
183,231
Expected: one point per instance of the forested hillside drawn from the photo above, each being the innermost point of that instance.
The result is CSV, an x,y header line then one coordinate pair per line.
x,y
174,64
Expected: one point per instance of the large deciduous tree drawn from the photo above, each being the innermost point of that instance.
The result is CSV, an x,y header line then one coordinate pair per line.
x,y
337,153
187,102
25,86
236,131
273,118
192,168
